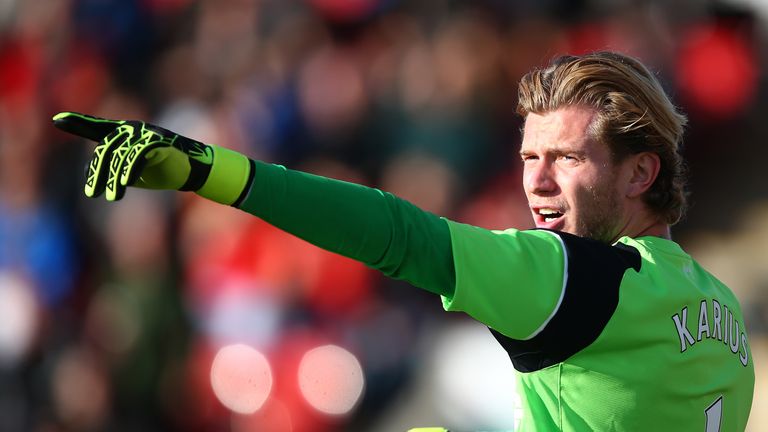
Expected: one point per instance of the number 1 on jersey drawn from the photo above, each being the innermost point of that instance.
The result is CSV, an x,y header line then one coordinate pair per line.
x,y
714,413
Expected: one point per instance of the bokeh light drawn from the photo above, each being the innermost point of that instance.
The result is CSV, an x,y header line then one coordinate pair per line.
x,y
717,71
331,379
18,317
241,378
475,380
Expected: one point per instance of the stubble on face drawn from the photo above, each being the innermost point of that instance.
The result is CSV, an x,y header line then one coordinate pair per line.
x,y
601,210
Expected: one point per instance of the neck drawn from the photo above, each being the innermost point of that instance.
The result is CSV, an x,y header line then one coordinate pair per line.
x,y
643,224
657,229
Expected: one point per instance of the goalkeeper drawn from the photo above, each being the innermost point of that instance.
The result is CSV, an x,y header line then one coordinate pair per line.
x,y
611,325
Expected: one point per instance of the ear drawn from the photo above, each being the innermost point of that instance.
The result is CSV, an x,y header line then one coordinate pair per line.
x,y
645,168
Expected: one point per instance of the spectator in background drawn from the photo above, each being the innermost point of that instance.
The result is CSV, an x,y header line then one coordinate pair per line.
x,y
254,69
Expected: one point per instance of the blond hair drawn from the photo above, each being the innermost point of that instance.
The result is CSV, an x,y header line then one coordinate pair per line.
x,y
634,115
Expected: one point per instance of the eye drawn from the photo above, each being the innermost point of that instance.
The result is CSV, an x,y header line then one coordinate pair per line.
x,y
569,158
528,157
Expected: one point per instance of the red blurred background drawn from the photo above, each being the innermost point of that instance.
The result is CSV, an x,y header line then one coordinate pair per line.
x,y
111,315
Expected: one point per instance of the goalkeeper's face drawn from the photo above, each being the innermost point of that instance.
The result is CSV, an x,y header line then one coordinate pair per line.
x,y
569,178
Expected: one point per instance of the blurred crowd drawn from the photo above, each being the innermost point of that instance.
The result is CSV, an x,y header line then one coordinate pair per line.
x,y
111,315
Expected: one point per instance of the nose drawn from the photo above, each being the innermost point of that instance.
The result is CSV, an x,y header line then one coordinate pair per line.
x,y
539,178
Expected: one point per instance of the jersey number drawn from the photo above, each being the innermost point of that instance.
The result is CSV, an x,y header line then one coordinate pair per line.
x,y
714,413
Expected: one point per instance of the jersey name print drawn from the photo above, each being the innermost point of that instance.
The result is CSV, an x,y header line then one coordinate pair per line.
x,y
715,323
634,336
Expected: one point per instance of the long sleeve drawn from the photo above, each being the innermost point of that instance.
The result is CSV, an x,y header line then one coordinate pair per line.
x,y
374,227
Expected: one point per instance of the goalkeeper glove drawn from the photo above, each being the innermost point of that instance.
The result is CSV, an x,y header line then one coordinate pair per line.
x,y
135,153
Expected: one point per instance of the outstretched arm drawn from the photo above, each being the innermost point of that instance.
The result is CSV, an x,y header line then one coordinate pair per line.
x,y
362,223
374,227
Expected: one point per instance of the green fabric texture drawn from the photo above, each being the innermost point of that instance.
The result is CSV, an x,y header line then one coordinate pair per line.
x,y
509,280
661,363
643,361
382,231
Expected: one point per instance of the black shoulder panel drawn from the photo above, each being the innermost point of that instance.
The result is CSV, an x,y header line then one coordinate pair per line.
x,y
595,271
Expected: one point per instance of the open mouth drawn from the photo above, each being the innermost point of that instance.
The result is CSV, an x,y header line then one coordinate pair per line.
x,y
548,215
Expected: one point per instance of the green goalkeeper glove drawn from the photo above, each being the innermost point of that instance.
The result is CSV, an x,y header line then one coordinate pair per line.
x,y
135,153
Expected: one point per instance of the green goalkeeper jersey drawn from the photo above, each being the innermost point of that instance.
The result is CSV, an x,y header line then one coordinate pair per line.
x,y
634,336
631,337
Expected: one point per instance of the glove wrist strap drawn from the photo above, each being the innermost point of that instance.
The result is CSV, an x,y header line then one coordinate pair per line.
x,y
230,176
